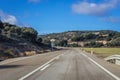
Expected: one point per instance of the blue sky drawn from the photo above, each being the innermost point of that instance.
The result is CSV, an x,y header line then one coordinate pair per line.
x,y
49,16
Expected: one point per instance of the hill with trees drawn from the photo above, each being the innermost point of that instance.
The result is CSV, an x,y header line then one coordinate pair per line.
x,y
18,41
100,38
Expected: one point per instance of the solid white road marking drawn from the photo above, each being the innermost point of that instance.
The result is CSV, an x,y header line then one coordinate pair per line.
x,y
111,74
45,67
57,57
37,69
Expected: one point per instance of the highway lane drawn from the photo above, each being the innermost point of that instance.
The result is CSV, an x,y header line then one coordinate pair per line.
x,y
13,69
71,64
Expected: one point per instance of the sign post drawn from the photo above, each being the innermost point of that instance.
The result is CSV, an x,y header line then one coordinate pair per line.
x,y
52,44
91,51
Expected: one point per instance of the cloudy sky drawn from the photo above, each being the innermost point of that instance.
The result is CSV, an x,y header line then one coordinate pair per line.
x,y
48,16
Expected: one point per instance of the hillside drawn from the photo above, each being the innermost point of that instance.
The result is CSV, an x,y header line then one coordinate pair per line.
x,y
100,38
18,41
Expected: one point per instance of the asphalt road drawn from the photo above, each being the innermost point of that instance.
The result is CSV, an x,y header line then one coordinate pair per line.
x,y
70,64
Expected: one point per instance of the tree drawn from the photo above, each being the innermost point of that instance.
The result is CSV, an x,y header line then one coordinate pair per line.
x,y
114,42
39,40
29,33
93,44
86,36
90,36
1,26
80,38
63,43
116,35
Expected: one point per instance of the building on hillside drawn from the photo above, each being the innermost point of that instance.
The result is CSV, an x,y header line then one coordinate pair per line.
x,y
103,41
80,43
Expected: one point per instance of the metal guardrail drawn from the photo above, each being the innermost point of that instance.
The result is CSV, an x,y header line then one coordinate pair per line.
x,y
113,57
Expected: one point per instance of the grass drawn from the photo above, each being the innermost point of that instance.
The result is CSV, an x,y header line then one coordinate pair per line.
x,y
104,52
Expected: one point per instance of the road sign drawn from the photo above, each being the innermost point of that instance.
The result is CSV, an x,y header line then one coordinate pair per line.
x,y
52,43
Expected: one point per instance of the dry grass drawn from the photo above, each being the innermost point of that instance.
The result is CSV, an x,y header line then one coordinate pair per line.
x,y
104,52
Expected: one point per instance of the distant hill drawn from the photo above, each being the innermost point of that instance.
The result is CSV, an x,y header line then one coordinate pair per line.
x,y
100,38
18,41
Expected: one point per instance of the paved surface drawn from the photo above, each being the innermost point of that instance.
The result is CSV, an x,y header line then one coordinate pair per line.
x,y
62,65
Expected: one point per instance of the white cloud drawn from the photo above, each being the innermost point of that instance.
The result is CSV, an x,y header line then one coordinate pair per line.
x,y
95,9
111,19
33,1
7,18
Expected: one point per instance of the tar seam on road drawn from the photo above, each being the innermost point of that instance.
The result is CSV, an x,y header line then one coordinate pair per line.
x,y
39,68
111,74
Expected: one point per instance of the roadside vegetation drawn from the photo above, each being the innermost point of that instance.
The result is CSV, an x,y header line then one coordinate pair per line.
x,y
100,38
16,41
103,52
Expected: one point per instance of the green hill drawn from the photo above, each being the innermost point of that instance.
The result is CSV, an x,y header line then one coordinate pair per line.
x,y
18,41
100,38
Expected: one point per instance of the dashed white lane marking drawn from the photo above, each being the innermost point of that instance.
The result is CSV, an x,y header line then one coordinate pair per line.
x,y
45,67
111,74
39,68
